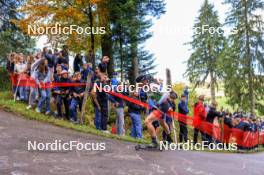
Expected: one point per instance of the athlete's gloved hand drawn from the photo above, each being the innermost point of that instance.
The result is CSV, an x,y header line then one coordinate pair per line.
x,y
151,103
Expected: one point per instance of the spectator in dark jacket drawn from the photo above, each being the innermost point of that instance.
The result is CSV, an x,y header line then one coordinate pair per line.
x,y
211,116
78,94
63,95
77,63
183,111
100,99
134,111
104,64
65,53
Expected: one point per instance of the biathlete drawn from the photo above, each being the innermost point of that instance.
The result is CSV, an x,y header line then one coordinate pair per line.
x,y
164,106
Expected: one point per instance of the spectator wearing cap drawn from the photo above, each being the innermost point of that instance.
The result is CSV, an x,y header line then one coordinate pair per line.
x,y
63,95
199,118
183,111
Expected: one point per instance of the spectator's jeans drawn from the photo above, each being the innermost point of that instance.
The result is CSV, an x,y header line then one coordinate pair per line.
x,y
73,107
22,93
104,114
120,121
45,95
97,118
59,100
32,95
136,129
183,132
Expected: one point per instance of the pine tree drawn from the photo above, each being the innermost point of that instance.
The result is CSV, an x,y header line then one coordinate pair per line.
x,y
244,80
207,46
130,31
11,37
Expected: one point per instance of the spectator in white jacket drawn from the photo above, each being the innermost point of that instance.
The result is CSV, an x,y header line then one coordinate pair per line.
x,y
20,69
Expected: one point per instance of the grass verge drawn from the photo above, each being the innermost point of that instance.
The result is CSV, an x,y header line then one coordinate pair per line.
x,y
19,108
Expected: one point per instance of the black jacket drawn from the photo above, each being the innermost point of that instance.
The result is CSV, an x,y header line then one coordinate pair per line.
x,y
212,114
134,108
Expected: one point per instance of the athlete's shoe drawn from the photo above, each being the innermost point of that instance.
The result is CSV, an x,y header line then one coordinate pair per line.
x,y
153,145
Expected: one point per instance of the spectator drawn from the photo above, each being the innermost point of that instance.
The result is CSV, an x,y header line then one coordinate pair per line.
x,y
211,117
63,62
104,64
20,68
119,110
134,111
183,111
199,118
33,74
100,98
85,71
65,54
77,63
43,78
63,95
78,94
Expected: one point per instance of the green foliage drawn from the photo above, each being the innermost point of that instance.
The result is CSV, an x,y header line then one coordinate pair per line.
x,y
207,48
4,80
243,59
11,38
129,32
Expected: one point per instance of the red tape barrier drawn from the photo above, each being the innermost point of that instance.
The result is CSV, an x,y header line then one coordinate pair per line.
x,y
224,134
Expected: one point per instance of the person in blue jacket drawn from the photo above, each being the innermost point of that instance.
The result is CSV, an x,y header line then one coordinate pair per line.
x,y
183,111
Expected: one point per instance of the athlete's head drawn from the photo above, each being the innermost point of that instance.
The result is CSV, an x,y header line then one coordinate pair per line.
x,y
173,96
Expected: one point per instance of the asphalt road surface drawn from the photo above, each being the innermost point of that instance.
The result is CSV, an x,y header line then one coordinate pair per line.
x,y
119,158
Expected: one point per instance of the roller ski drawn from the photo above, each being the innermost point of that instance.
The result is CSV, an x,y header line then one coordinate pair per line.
x,y
150,147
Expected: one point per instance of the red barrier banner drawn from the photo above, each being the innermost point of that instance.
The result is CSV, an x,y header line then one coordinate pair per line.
x,y
224,134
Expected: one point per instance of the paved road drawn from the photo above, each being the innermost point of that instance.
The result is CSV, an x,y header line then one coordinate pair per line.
x,y
119,158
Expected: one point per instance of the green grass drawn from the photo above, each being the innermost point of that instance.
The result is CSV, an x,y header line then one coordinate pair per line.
x,y
19,108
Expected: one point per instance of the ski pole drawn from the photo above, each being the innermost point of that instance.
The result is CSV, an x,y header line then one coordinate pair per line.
x,y
17,87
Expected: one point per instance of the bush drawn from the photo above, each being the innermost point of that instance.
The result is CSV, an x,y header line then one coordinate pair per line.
x,y
5,83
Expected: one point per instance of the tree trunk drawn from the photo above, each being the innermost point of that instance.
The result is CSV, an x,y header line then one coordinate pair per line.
x,y
134,63
90,16
249,61
121,57
212,86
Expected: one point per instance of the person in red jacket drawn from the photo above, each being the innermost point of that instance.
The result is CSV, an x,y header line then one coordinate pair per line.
x,y
199,118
